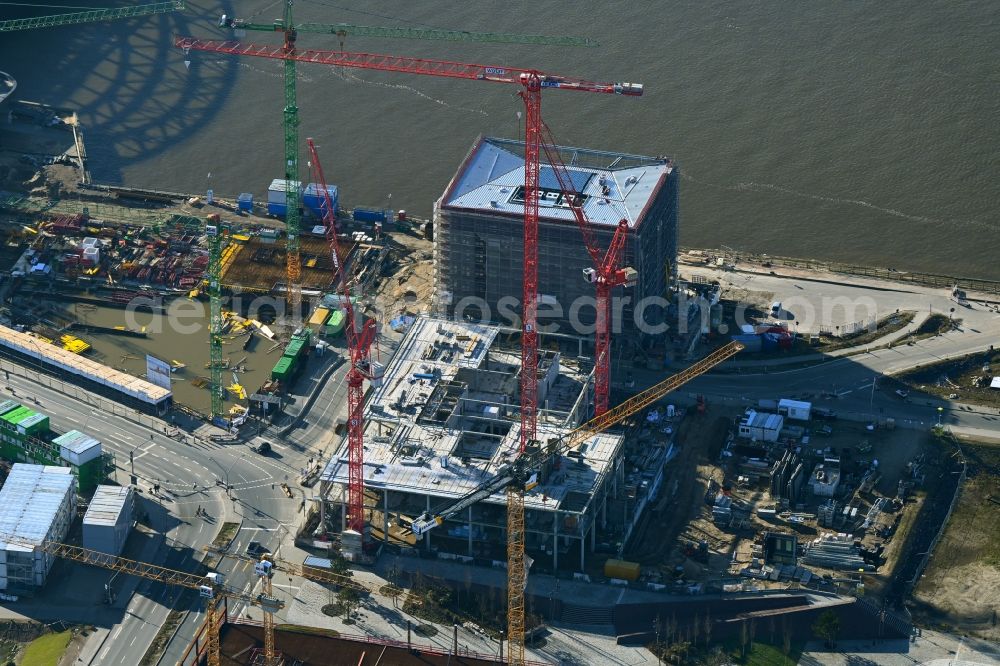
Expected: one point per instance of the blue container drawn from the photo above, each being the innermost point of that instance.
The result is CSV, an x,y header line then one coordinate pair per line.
x,y
276,209
313,199
769,341
245,202
369,215
751,342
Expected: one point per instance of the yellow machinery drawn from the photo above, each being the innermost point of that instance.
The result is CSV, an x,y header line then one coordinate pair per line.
x,y
521,476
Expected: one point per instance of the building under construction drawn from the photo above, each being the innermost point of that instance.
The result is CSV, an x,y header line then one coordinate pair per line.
x,y
479,233
445,418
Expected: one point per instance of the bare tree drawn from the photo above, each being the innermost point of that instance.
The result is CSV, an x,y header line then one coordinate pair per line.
x,y
708,628
753,630
786,635
695,629
770,627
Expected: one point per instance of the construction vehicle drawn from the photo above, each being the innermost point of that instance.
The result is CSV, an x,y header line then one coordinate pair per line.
x,y
521,475
290,31
91,16
531,83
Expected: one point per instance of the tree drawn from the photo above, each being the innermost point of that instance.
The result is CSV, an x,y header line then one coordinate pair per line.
x,y
349,599
717,657
827,626
786,635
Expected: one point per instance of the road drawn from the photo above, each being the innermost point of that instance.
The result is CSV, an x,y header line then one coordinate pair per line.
x,y
188,475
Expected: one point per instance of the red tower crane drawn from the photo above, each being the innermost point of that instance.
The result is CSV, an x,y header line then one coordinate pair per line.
x,y
359,341
605,273
532,83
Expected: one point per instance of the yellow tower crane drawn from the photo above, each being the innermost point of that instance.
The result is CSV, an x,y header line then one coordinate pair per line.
x,y
521,475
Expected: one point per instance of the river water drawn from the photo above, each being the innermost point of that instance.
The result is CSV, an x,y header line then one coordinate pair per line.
x,y
848,130
183,338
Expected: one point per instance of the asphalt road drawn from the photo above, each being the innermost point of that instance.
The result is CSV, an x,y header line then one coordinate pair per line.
x,y
845,384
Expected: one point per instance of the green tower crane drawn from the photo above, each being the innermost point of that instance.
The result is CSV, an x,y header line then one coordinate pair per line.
x,y
290,32
91,16
214,232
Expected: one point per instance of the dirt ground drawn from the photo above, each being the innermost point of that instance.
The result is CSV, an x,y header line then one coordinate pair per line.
x,y
730,548
408,285
967,377
961,587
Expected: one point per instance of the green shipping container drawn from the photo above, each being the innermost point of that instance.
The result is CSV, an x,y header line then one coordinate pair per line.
x,y
294,348
283,369
90,474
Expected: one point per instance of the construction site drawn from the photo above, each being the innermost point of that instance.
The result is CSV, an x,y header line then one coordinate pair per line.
x,y
392,412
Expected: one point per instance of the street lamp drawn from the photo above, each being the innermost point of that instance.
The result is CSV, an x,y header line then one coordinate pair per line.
x,y
940,411
225,471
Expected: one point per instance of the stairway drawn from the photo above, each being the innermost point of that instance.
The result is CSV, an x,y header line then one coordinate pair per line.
x,y
589,615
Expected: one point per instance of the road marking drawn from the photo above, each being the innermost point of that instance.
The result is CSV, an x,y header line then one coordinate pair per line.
x,y
845,392
70,418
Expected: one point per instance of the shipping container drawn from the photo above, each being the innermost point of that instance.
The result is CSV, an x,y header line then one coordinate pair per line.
x,y
622,569
283,369
369,214
245,202
312,198
294,349
277,189
319,317
750,342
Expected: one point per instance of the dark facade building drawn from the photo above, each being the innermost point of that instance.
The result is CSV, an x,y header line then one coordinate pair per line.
x,y
479,231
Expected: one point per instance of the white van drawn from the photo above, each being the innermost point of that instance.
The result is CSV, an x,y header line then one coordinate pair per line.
x,y
776,308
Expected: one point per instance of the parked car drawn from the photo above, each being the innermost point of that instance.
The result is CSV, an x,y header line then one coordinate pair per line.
x,y
263,448
824,414
824,430
256,549
902,393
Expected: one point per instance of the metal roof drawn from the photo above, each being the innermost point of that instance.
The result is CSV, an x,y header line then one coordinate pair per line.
x,y
30,501
76,441
107,504
78,365
616,185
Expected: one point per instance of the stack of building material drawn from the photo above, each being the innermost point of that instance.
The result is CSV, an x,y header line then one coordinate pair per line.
x,y
835,551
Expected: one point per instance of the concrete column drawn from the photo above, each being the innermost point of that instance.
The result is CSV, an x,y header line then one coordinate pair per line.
x,y
385,515
470,530
604,512
427,535
555,541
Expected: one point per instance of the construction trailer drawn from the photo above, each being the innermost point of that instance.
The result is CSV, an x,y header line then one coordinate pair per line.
x,y
479,234
37,504
109,519
445,418
796,410
760,426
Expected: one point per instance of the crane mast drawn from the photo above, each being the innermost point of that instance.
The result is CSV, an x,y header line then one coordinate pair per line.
x,y
359,341
213,232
